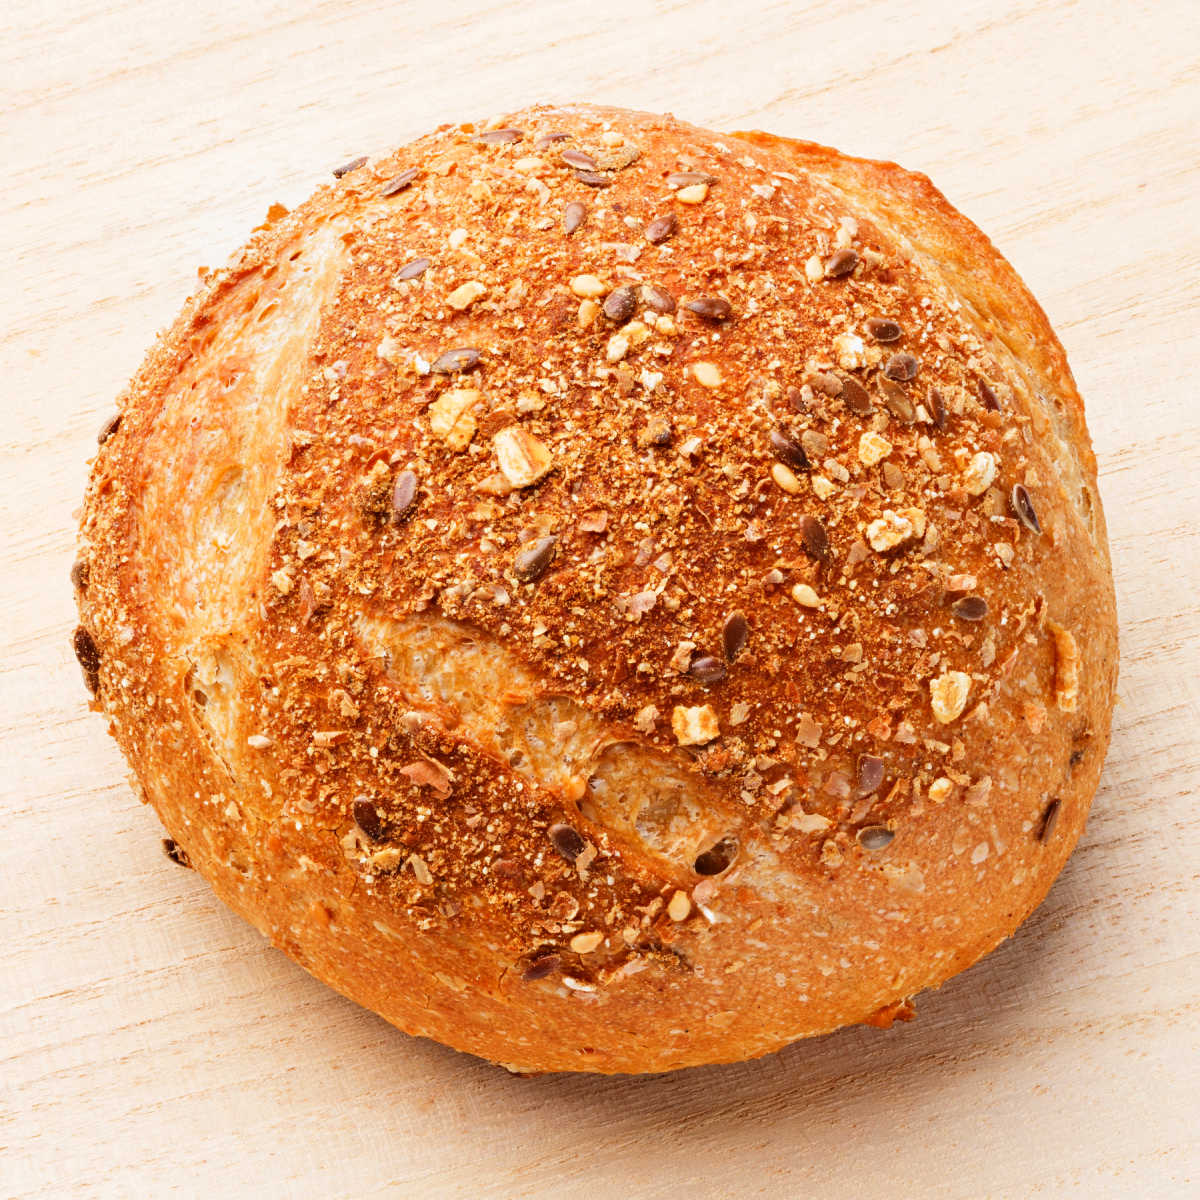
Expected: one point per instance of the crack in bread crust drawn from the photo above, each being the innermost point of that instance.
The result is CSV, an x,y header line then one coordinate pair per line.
x,y
483,693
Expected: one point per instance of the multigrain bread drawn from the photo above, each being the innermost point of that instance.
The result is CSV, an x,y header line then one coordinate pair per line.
x,y
610,596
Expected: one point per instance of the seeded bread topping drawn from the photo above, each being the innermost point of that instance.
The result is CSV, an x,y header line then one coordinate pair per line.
x,y
608,595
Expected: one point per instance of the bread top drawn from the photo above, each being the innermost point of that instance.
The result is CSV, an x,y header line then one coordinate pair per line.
x,y
610,595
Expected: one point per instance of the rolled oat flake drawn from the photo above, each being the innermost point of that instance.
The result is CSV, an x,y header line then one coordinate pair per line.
x,y
1049,820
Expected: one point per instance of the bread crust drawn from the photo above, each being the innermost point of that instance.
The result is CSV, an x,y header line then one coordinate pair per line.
x,y
615,696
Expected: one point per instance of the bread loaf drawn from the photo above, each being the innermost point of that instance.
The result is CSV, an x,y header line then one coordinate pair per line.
x,y
607,595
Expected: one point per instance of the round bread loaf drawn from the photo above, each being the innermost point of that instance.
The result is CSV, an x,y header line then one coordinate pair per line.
x,y
607,595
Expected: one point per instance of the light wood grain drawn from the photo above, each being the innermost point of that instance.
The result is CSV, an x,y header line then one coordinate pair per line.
x,y
153,1044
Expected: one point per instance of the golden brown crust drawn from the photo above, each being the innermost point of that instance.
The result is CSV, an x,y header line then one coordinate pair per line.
x,y
642,688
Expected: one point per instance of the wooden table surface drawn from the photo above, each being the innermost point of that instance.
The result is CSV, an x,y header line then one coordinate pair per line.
x,y
153,1044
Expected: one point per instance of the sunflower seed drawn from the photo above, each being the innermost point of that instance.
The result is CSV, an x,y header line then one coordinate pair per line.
x,y
578,159
500,137
716,858
454,361
398,183
734,634
875,837
621,304
411,270
548,139
368,818
574,215
682,179
870,774
711,308
661,229
706,669
935,404
175,852
88,655
970,608
883,330
789,451
814,537
901,367
594,179
1049,820
540,967
403,494
108,428
567,841
352,165
896,400
657,298
531,562
855,397
80,571
987,396
826,384
841,263
1023,507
